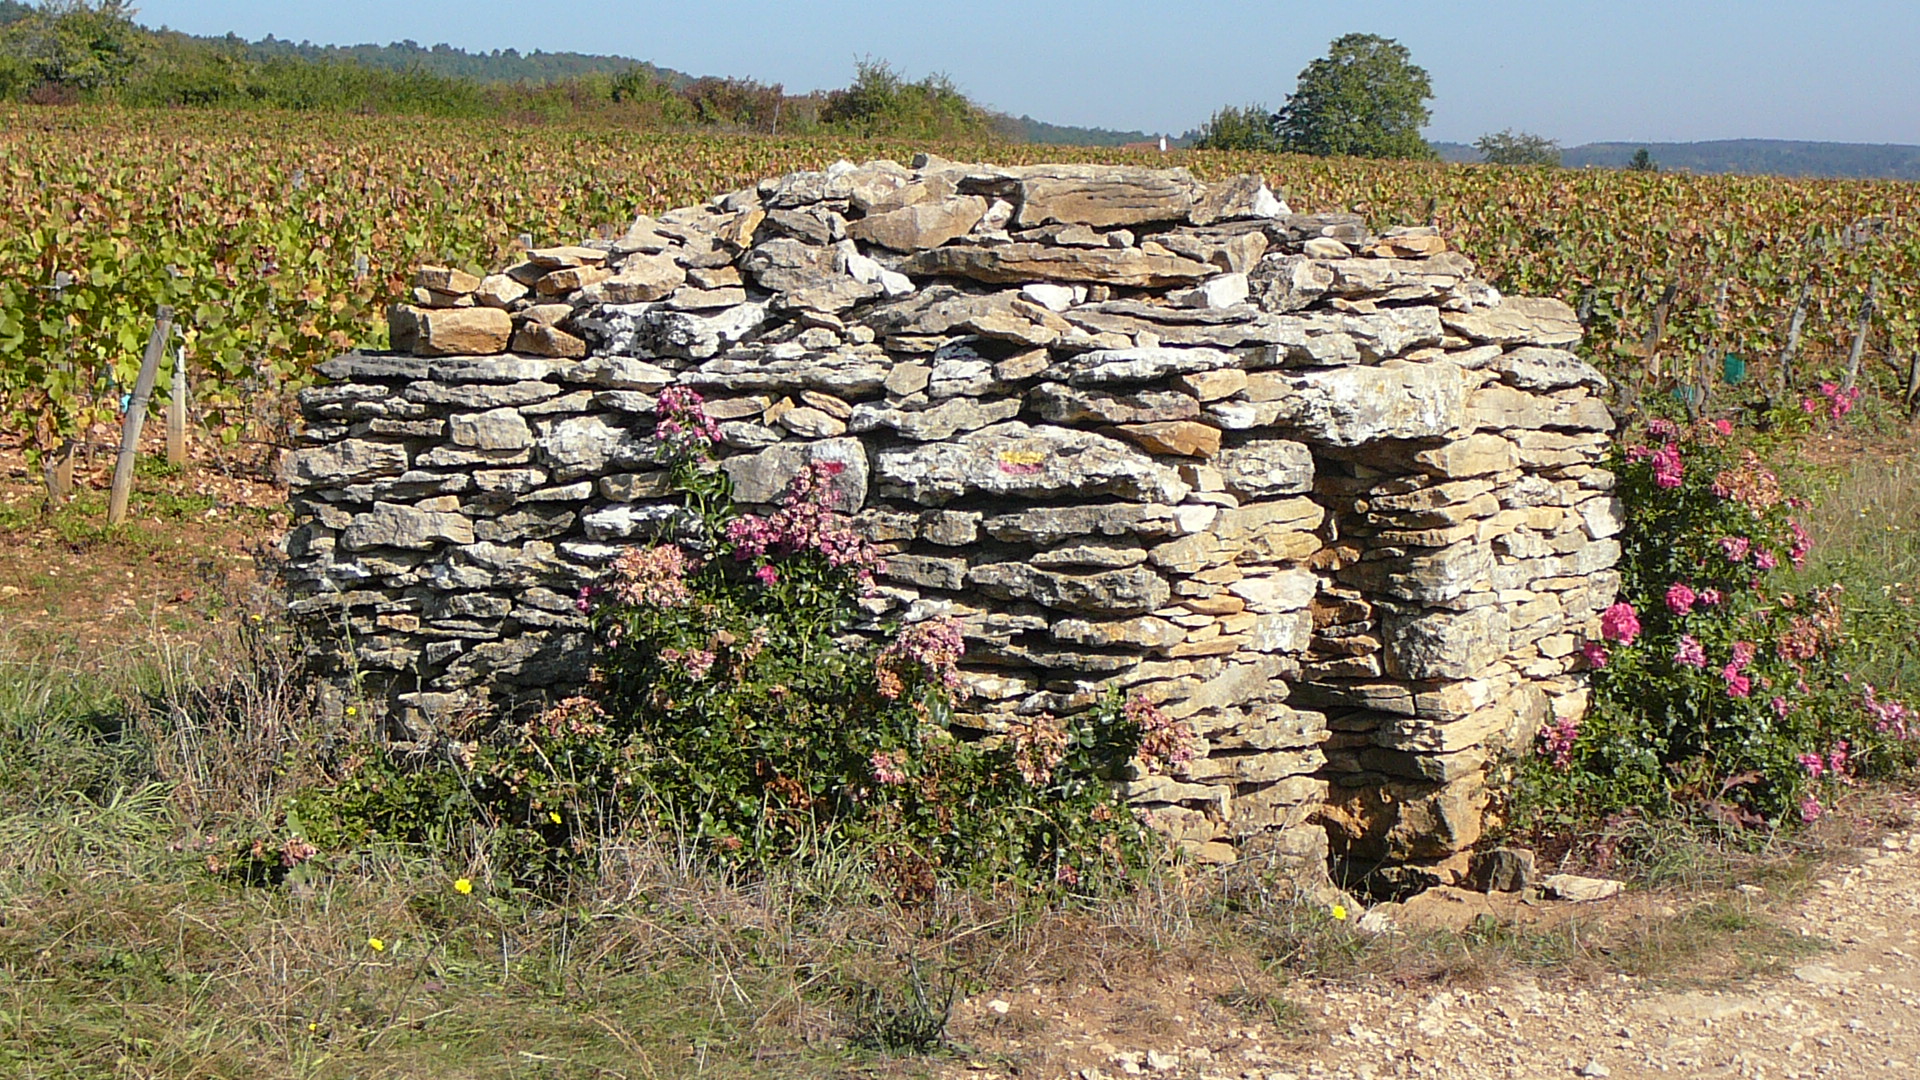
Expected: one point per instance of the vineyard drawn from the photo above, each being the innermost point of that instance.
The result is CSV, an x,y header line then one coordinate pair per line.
x,y
280,239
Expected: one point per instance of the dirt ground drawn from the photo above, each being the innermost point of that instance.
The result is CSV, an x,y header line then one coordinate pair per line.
x,y
187,550
1839,997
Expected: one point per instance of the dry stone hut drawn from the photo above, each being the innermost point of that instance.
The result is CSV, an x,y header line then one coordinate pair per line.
x,y
1324,494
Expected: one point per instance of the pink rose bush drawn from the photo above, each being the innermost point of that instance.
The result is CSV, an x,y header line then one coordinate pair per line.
x,y
1709,669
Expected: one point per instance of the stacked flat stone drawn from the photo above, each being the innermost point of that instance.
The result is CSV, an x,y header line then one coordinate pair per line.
x,y
1325,496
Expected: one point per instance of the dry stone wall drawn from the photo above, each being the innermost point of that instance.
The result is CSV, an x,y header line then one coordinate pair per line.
x,y
1325,495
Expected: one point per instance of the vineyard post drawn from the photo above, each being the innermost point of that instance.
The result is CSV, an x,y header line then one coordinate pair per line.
x,y
1660,311
1860,333
59,470
177,412
1794,327
137,415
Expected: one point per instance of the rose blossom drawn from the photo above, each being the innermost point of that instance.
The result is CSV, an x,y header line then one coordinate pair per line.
x,y
1680,598
1667,469
1691,654
1620,623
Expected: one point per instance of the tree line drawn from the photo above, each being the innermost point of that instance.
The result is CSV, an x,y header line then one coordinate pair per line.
x,y
69,51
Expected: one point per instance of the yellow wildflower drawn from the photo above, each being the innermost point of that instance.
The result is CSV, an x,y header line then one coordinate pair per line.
x,y
463,886
1340,912
376,944
553,816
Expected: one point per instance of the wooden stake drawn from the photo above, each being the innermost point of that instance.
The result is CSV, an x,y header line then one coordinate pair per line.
x,y
137,415
1660,312
1793,337
177,412
1860,334
59,472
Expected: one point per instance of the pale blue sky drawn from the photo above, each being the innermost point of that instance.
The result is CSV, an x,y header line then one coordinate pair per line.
x,y
1574,70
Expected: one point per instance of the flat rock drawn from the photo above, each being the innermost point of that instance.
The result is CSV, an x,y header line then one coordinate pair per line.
x,y
1353,406
1519,320
475,331
1579,889
396,526
1102,196
1063,404
764,477
541,339
1030,462
641,278
921,225
1133,591
1103,367
1262,468
940,422
1186,438
1018,264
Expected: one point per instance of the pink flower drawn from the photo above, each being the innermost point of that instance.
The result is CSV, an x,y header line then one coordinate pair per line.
x,y
1838,757
1557,739
1736,548
1802,543
1710,597
1667,469
767,575
1743,654
1620,623
694,663
930,649
1680,598
889,766
1690,654
1738,685
1780,707
1810,809
1662,429
1813,763
652,577
1765,560
1724,427
1595,654
1164,741
685,431
1636,452
806,522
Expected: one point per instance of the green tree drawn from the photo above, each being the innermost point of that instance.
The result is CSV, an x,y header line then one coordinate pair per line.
x,y
84,45
1366,98
1643,161
1249,128
1512,147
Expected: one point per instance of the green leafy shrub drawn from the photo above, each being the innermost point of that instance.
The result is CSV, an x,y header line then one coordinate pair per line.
x,y
733,701
1714,688
881,103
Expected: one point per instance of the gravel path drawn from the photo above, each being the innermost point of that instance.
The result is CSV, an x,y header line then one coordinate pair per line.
x,y
1849,1011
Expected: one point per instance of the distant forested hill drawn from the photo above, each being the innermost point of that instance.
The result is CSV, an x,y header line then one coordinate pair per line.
x,y
1027,129
1753,157
1778,157
499,65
